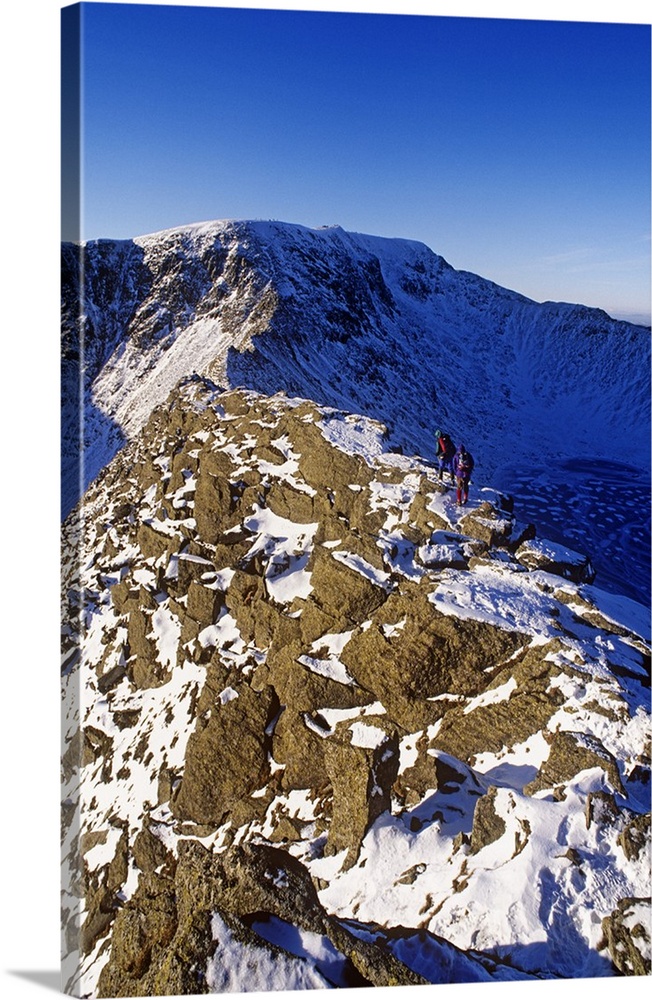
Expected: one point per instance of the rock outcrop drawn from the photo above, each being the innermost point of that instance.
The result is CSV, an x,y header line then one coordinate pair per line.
x,y
315,697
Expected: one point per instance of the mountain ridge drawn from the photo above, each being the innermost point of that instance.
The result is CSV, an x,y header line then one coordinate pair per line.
x,y
364,323
322,727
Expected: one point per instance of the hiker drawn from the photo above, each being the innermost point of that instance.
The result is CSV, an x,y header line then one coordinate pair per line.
x,y
444,453
463,466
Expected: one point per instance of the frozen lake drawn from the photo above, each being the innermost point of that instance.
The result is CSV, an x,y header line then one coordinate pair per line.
x,y
602,509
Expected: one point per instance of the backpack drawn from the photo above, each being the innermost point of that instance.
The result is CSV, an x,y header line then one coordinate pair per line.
x,y
446,445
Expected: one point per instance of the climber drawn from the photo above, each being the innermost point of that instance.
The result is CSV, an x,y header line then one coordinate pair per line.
x,y
444,452
463,467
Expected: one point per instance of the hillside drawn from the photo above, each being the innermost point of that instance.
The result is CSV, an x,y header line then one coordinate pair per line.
x,y
382,327
322,727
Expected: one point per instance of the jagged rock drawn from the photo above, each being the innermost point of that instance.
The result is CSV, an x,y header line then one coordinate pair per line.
x,y
292,673
340,591
96,744
487,525
140,946
431,772
203,603
214,506
188,567
291,504
553,558
143,667
138,635
521,533
316,621
278,750
362,772
628,937
300,750
245,595
153,544
165,935
125,596
328,469
102,901
488,825
419,514
570,753
150,853
101,909
365,545
600,808
635,836
429,656
226,760
507,722
118,869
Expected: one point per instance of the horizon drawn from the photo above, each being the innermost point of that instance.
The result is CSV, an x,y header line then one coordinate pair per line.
x,y
518,150
635,319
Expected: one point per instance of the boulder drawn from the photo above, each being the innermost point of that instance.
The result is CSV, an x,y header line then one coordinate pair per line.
x,y
550,557
488,825
292,504
570,753
168,931
511,720
340,591
226,760
635,836
152,543
431,655
203,603
627,936
432,772
361,761
488,525
214,507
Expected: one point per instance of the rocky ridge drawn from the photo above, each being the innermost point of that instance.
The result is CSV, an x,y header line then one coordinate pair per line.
x,y
317,718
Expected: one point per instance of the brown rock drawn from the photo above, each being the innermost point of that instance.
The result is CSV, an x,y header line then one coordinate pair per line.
x,y
340,591
570,753
627,934
362,778
226,760
488,826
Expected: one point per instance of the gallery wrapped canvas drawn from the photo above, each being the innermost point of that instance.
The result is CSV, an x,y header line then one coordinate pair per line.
x,y
355,560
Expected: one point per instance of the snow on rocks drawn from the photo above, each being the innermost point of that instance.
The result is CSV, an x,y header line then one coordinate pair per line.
x,y
542,554
280,638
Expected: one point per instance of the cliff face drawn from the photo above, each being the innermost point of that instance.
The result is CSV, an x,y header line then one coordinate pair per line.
x,y
322,723
383,327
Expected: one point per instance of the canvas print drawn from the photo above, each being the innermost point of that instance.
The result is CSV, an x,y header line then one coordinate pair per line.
x,y
355,500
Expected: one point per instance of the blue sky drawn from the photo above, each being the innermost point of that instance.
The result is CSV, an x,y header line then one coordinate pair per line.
x,y
517,149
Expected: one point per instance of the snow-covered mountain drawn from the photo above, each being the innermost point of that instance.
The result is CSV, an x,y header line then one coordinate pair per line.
x,y
323,727
382,327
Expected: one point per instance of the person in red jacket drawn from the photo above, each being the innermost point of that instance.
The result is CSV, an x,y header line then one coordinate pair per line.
x,y
463,467
444,453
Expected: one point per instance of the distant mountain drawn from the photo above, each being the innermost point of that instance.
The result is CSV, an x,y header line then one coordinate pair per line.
x,y
381,327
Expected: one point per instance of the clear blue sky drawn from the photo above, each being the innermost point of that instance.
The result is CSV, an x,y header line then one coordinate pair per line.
x,y
517,149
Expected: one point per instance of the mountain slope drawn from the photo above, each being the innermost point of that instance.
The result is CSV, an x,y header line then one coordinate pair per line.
x,y
383,327
324,728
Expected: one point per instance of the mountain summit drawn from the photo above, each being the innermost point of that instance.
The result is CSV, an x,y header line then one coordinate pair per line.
x,y
370,325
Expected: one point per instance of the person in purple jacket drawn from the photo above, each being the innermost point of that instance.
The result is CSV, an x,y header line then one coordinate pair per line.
x,y
462,467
